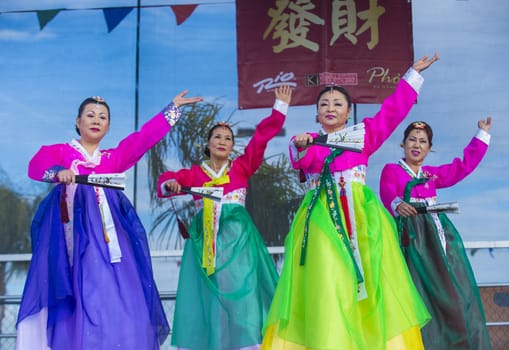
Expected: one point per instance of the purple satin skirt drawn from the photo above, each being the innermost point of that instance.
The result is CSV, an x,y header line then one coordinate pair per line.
x,y
93,304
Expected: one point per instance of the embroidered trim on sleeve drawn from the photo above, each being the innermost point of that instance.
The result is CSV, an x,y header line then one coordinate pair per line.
x,y
172,114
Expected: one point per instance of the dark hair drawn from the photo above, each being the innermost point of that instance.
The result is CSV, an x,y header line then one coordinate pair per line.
x,y
218,125
338,89
89,100
419,125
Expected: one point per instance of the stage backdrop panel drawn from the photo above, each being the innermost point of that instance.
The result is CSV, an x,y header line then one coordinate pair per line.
x,y
364,45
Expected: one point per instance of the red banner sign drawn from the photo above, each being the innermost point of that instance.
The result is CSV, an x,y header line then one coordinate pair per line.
x,y
364,45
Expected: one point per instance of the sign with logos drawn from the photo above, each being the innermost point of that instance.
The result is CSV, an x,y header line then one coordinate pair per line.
x,y
363,45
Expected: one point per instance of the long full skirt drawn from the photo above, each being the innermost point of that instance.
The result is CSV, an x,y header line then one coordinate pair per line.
x,y
225,310
91,303
447,284
317,305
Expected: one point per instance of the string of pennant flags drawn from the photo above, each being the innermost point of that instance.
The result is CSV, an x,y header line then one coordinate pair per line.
x,y
112,15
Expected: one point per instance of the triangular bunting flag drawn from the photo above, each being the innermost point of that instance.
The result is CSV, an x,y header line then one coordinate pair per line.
x,y
45,16
114,16
182,12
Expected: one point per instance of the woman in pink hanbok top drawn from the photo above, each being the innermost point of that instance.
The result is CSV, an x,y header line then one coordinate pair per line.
x,y
344,283
90,283
431,245
227,277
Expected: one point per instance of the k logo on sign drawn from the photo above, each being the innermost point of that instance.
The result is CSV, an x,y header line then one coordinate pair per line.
x,y
312,80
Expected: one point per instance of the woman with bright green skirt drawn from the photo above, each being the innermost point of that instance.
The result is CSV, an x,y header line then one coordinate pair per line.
x,y
344,284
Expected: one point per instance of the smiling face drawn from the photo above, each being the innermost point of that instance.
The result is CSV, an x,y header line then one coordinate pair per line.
x,y
333,110
220,143
93,123
416,146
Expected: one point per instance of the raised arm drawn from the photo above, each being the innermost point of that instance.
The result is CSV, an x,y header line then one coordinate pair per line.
x,y
267,129
424,62
484,124
396,106
133,147
449,174
181,100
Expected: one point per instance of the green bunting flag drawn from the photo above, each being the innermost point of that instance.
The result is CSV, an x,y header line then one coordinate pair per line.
x,y
45,16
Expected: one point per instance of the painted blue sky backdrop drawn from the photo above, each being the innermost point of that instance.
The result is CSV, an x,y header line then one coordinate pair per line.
x,y
45,74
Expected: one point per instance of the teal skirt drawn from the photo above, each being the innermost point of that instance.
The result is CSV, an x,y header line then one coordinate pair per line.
x,y
447,285
227,309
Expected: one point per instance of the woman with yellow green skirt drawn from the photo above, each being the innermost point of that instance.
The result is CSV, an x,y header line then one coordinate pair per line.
x,y
344,282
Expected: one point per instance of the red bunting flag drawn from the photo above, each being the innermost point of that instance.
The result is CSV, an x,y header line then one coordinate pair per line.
x,y
182,12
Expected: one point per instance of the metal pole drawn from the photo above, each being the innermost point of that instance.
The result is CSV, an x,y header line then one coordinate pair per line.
x,y
136,96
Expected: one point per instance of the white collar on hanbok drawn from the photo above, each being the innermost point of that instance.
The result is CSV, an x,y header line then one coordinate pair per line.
x,y
420,173
95,158
211,171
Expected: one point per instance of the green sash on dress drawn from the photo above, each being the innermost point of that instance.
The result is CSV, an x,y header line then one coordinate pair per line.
x,y
326,182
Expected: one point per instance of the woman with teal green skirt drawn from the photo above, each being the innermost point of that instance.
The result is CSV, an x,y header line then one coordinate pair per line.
x,y
431,245
344,284
227,277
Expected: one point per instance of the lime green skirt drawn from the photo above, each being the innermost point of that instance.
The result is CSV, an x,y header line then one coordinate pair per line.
x,y
317,305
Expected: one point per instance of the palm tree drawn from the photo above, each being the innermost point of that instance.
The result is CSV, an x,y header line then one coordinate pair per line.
x,y
273,196
15,219
186,141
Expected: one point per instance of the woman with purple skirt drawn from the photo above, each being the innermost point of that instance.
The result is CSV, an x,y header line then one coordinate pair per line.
x,y
90,283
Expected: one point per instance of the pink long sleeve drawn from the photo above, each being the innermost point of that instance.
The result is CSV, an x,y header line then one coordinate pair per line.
x,y
193,177
49,160
115,160
450,174
390,179
394,178
378,128
130,150
242,167
254,152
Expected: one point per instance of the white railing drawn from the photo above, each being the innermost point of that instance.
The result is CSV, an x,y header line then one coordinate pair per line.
x,y
9,336
272,250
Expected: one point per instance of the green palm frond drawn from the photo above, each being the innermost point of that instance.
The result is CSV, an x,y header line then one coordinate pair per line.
x,y
274,192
